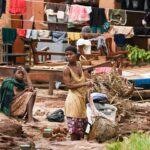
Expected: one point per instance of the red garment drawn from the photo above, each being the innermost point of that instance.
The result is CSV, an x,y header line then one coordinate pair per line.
x,y
21,32
17,7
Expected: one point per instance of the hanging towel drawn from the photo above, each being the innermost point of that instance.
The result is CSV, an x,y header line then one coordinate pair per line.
x,y
2,7
58,36
73,36
79,14
33,34
17,7
56,12
21,32
9,35
43,34
127,31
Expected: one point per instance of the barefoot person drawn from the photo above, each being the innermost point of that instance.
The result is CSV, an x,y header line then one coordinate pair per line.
x,y
16,100
75,104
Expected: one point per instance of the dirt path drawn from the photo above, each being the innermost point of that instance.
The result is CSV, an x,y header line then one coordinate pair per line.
x,y
47,104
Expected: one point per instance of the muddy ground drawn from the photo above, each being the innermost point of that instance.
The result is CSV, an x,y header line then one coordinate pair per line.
x,y
47,104
137,121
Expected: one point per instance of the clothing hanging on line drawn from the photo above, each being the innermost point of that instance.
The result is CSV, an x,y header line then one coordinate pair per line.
x,y
125,30
56,12
117,17
9,35
2,7
97,17
139,5
17,7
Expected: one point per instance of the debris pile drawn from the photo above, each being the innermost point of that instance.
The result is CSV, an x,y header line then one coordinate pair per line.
x,y
55,134
12,135
116,88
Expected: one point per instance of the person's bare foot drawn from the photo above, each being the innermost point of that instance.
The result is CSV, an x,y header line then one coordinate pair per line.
x,y
30,120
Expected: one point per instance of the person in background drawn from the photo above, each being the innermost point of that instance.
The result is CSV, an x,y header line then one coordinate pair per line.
x,y
85,45
16,100
75,104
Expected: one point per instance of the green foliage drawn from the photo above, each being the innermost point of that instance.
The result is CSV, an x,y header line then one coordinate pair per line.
x,y
137,55
136,141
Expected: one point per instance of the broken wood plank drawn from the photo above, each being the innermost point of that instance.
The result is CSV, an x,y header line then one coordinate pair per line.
x,y
145,94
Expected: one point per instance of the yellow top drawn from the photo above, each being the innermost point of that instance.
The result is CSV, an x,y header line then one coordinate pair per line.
x,y
75,104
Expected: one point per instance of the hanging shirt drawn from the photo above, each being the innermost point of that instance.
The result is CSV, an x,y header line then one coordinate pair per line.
x,y
2,7
17,7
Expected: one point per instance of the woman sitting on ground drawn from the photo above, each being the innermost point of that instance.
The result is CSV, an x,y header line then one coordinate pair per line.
x,y
16,100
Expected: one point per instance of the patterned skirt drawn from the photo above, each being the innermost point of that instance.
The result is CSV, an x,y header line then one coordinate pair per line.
x,y
19,105
77,126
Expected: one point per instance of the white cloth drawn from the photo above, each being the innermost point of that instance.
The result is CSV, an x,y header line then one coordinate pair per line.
x,y
87,45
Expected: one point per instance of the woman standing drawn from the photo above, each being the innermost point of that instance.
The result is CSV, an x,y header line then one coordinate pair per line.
x,y
75,104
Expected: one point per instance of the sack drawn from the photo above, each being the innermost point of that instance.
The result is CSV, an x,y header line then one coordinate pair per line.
x,y
102,130
56,116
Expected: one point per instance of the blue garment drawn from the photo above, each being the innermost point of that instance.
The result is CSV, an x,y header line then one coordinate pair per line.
x,y
58,36
120,39
99,97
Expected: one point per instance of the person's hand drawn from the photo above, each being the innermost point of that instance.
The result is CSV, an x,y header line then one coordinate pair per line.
x,y
30,88
89,83
96,113
22,69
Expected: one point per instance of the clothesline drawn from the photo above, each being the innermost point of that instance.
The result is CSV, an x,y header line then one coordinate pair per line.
x,y
127,10
78,4
43,2
39,21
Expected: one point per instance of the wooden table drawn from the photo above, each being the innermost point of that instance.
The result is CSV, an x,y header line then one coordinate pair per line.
x,y
54,72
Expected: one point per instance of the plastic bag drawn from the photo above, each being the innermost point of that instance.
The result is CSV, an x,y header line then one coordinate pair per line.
x,y
56,116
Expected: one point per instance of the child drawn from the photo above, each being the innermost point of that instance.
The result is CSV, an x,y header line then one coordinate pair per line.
x,y
75,104
16,100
